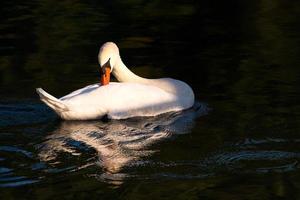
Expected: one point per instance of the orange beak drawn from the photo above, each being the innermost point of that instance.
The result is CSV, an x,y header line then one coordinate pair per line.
x,y
105,76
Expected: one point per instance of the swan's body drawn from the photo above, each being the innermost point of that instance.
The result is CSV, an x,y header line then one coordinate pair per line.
x,y
133,96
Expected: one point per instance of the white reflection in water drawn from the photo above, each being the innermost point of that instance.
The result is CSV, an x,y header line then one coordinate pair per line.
x,y
118,143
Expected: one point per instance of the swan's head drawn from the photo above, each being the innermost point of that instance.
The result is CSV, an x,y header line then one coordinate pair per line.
x,y
107,57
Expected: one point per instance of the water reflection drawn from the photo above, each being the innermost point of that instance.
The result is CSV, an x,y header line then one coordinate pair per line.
x,y
118,144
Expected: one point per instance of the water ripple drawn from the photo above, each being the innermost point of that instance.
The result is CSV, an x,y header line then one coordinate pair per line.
x,y
9,179
117,144
18,183
16,150
123,149
25,113
233,157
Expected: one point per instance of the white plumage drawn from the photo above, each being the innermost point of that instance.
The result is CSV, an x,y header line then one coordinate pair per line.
x,y
132,96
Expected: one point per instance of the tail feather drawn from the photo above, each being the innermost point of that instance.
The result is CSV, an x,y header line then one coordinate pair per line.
x,y
51,101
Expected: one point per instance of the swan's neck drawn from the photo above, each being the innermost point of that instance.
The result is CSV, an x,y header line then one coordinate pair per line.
x,y
123,74
178,88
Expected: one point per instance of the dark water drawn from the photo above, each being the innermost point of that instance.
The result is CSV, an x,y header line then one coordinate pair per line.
x,y
240,141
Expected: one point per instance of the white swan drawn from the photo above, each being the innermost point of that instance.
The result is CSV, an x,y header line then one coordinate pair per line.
x,y
132,96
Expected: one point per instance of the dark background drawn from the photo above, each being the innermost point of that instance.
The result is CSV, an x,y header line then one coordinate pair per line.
x,y
240,57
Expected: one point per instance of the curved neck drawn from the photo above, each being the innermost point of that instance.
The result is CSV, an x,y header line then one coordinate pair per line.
x,y
123,74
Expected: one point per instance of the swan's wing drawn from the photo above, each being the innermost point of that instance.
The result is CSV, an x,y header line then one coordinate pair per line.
x,y
122,100
132,99
81,91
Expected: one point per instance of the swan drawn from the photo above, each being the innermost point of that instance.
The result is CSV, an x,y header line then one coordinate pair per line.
x,y
132,96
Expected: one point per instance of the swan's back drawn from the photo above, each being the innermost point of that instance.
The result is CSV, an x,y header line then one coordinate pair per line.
x,y
122,100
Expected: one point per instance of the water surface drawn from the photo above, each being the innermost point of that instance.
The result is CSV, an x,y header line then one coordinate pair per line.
x,y
239,141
